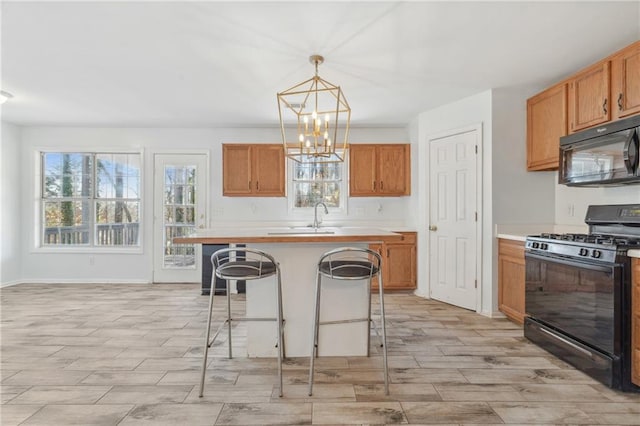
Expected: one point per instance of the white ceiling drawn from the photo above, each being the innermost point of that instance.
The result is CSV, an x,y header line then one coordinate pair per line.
x,y
176,64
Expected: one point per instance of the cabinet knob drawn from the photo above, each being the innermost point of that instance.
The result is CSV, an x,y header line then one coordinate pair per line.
x,y
433,228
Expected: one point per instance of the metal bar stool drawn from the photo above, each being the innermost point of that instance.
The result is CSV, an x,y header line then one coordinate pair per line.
x,y
243,264
350,263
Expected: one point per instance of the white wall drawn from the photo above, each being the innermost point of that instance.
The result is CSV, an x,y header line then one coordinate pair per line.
x,y
510,194
10,211
572,202
464,113
86,266
519,196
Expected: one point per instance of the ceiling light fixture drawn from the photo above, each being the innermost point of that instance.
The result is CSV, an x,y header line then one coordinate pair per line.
x,y
314,119
4,96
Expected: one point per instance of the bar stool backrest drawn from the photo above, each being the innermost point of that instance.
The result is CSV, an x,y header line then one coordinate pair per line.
x,y
242,263
350,263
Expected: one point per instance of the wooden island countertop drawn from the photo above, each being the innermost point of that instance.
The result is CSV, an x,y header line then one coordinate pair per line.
x,y
289,235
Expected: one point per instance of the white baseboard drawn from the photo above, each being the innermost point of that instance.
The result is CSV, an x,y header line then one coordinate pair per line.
x,y
74,281
420,293
10,283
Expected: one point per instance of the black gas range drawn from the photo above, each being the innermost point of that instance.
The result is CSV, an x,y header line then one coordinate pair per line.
x,y
578,293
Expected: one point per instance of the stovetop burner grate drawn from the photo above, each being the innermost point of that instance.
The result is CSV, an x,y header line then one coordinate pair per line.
x,y
612,240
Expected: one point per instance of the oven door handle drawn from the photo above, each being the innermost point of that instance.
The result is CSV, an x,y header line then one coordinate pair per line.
x,y
576,263
565,341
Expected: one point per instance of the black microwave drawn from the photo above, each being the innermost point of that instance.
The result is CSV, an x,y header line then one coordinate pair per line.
x,y
603,156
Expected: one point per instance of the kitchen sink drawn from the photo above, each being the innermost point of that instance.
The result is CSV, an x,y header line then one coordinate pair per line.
x,y
303,231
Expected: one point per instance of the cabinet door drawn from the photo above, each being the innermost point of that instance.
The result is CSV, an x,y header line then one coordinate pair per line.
x,y
401,267
362,170
236,170
635,322
511,279
589,103
268,170
394,172
546,123
625,81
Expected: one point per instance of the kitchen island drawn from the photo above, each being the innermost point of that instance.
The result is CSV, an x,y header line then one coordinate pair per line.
x,y
298,251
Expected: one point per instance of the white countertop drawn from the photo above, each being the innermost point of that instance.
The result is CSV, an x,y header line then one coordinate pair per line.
x,y
519,232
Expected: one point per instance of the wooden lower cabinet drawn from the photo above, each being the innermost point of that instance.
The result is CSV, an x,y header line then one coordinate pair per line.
x,y
399,263
511,277
635,321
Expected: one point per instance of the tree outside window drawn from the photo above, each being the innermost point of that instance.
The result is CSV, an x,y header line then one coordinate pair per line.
x,y
91,199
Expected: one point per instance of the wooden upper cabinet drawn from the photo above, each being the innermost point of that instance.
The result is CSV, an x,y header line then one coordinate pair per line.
x,y
362,170
625,81
379,170
268,170
589,100
546,123
253,170
236,170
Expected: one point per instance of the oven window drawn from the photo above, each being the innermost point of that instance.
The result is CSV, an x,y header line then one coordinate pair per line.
x,y
577,299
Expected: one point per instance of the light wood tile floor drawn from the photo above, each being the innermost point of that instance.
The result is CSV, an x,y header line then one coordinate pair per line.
x,y
130,355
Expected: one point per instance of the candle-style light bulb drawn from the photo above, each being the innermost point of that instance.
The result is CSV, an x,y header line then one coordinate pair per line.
x,y
308,143
301,137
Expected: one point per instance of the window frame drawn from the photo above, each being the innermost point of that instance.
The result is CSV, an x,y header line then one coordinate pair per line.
x,y
304,212
92,247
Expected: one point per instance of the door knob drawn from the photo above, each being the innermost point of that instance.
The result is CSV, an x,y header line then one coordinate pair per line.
x,y
433,228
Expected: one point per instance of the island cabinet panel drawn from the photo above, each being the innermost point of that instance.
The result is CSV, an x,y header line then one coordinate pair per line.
x,y
546,123
253,170
398,262
635,322
511,279
589,100
379,170
625,81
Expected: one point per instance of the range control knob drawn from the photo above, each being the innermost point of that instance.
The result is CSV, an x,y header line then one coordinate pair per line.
x,y
544,246
583,252
596,254
535,244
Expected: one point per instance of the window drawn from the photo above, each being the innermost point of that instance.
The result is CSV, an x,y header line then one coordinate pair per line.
x,y
90,199
314,182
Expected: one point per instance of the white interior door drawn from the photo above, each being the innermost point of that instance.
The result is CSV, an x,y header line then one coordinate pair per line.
x,y
453,217
180,188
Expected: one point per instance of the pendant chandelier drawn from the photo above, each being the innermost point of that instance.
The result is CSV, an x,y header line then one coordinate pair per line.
x,y
314,119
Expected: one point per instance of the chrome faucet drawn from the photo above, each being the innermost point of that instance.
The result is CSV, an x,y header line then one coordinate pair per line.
x,y
317,223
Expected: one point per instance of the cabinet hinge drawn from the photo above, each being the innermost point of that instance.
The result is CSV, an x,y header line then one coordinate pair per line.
x,y
476,149
476,216
476,283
